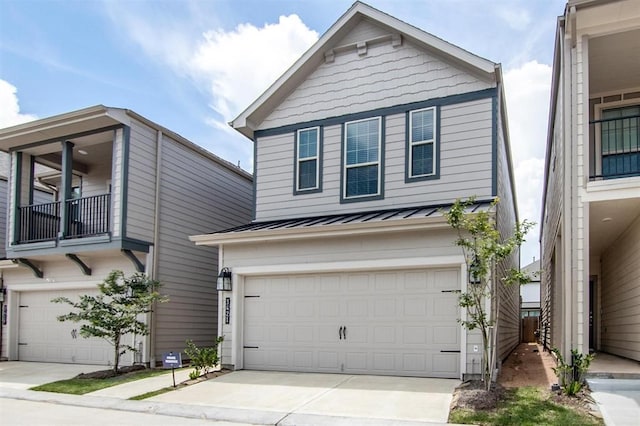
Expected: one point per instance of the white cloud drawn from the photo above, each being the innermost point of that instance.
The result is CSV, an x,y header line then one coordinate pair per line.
x,y
241,64
10,114
527,91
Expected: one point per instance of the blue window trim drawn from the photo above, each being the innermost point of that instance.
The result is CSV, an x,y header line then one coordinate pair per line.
x,y
343,166
436,146
296,160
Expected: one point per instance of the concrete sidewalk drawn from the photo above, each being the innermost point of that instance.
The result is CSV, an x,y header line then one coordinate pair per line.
x,y
140,387
274,398
618,400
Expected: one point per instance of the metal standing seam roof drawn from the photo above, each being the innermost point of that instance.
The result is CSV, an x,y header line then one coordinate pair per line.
x,y
387,215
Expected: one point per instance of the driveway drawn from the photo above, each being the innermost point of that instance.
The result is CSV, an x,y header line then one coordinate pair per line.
x,y
24,375
310,398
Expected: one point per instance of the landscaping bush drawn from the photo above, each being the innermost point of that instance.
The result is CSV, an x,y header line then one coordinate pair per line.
x,y
203,360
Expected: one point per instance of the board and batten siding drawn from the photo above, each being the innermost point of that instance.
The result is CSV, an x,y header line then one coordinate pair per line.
x,y
432,243
385,76
197,196
117,183
620,293
465,167
4,189
141,182
509,298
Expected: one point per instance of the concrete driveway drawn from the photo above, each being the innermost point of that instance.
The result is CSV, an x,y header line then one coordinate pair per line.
x,y
310,398
24,375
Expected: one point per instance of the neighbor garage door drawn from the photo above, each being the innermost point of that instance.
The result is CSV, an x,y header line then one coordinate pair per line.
x,y
389,323
41,337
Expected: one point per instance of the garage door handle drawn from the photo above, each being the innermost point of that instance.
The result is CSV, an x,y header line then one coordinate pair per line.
x,y
340,333
344,332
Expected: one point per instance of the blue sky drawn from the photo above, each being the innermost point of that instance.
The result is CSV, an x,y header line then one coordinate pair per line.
x,y
192,66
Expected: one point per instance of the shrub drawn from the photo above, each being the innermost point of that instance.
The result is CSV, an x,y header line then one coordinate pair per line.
x,y
202,359
571,376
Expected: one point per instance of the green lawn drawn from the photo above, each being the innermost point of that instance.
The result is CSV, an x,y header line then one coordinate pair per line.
x,y
82,386
524,406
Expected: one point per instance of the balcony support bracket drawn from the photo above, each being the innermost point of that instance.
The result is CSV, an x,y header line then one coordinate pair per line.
x,y
27,263
83,266
132,257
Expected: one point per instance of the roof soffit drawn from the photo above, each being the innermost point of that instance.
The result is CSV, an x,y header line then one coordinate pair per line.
x,y
247,121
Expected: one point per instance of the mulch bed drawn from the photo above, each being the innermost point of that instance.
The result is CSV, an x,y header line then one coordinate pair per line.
x,y
472,395
105,374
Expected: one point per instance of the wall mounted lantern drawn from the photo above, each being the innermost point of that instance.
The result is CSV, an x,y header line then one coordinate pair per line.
x,y
224,280
474,277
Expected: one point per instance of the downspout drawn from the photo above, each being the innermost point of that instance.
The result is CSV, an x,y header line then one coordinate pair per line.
x,y
156,237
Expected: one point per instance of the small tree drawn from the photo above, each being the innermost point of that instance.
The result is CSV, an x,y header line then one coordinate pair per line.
x,y
483,249
114,312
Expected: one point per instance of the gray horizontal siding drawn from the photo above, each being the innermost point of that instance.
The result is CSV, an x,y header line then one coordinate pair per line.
x,y
466,145
385,76
620,294
197,196
141,182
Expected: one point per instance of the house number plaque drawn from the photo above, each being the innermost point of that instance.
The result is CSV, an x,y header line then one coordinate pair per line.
x,y
227,310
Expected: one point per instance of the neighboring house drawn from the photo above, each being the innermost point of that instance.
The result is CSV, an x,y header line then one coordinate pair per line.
x,y
590,236
530,302
125,194
530,292
349,265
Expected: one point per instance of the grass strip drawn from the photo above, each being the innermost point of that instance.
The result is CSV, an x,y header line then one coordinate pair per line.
x,y
526,406
82,386
152,393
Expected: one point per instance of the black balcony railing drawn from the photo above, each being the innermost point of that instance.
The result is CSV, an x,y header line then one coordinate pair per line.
x,y
88,216
39,222
615,148
85,217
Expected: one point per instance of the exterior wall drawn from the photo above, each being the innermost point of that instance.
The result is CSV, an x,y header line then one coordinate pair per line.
x,y
337,254
196,196
465,166
141,182
4,193
117,182
620,334
59,273
384,77
552,216
508,296
95,183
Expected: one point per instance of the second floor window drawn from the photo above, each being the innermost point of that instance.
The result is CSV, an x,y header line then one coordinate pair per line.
x,y
362,147
308,148
422,147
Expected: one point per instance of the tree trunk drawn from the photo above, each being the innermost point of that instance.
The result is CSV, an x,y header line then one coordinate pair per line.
x,y
116,358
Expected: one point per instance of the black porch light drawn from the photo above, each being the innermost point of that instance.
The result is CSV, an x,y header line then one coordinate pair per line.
x,y
474,276
224,280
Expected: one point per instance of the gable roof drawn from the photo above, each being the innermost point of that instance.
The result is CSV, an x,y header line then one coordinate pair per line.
x,y
250,118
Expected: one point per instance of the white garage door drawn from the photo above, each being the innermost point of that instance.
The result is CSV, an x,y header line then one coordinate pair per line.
x,y
388,323
41,337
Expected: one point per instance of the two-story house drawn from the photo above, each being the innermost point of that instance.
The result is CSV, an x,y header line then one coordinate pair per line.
x,y
101,189
349,265
590,236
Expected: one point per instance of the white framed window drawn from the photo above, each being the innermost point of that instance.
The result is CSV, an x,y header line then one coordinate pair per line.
x,y
308,159
422,143
362,153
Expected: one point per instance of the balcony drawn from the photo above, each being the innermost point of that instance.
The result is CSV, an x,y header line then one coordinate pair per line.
x,y
85,217
615,144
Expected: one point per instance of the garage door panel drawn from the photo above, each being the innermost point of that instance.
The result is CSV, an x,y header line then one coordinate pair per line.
x,y
43,338
397,323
